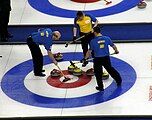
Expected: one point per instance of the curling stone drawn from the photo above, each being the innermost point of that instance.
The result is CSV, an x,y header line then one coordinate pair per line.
x,y
105,75
77,71
90,72
58,56
142,5
55,73
71,68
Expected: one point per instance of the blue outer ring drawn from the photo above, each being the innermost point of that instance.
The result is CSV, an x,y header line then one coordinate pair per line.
x,y
48,8
13,86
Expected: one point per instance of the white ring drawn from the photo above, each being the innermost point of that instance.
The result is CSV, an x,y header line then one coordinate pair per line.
x,y
39,85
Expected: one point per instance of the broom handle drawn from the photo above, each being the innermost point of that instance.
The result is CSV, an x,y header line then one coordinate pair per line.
x,y
61,71
93,58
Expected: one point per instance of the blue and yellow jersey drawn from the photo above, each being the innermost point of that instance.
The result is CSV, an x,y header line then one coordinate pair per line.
x,y
43,37
85,25
100,46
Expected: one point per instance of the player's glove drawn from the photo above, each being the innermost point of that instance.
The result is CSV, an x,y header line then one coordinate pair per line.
x,y
74,38
83,60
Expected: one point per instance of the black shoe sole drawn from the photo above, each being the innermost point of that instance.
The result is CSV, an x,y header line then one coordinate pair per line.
x,y
100,89
40,75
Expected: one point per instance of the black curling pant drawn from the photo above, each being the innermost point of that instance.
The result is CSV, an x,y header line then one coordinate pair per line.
x,y
4,20
36,55
86,41
105,62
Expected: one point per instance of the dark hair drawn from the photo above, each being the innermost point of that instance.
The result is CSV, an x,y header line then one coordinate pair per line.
x,y
79,13
97,29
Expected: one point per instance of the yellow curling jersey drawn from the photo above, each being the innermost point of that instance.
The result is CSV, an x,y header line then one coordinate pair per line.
x,y
85,25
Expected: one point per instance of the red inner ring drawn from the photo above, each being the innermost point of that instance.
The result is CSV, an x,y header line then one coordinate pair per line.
x,y
55,81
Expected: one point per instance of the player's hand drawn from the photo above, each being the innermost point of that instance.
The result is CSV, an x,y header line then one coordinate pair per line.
x,y
55,62
92,31
83,60
74,38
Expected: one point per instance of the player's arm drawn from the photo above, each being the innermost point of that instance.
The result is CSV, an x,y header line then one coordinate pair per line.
x,y
115,49
96,23
50,54
112,45
75,29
